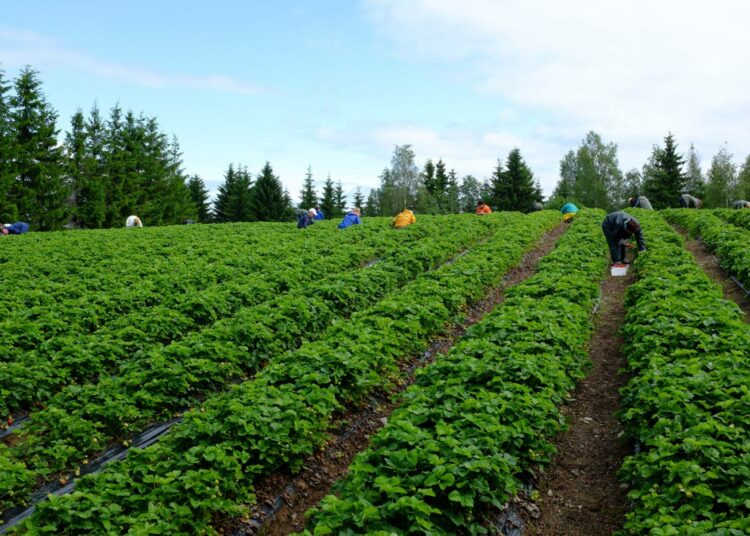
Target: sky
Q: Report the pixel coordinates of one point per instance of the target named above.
(336, 85)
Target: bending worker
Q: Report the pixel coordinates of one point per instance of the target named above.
(306, 218)
(618, 228)
(351, 218)
(688, 201)
(133, 221)
(640, 201)
(741, 204)
(483, 208)
(403, 219)
(18, 227)
(569, 211)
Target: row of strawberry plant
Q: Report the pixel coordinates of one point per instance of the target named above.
(175, 295)
(740, 218)
(480, 417)
(209, 462)
(82, 419)
(72, 359)
(728, 242)
(687, 405)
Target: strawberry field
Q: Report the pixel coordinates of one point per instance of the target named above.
(155, 380)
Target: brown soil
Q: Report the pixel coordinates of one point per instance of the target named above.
(284, 498)
(710, 264)
(580, 494)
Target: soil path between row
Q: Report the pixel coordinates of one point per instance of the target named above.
(284, 498)
(579, 494)
(710, 265)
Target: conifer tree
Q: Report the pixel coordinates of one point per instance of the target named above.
(308, 196)
(428, 176)
(371, 205)
(199, 197)
(513, 188)
(39, 192)
(359, 198)
(269, 201)
(667, 182)
(470, 192)
(8, 207)
(90, 209)
(340, 200)
(328, 199)
(233, 198)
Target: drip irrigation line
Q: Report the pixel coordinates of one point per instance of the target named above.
(17, 423)
(148, 437)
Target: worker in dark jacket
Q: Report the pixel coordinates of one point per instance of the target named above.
(19, 227)
(351, 218)
(741, 204)
(688, 201)
(306, 218)
(640, 201)
(618, 228)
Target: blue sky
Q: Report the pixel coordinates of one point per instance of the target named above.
(335, 85)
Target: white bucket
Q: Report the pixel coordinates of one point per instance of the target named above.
(619, 271)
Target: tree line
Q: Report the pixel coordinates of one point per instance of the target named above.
(591, 176)
(108, 167)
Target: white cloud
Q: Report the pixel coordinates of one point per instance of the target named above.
(632, 71)
(19, 48)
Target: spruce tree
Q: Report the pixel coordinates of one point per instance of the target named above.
(428, 176)
(232, 201)
(308, 196)
(340, 200)
(90, 210)
(371, 205)
(8, 207)
(359, 198)
(328, 200)
(199, 197)
(39, 191)
(470, 192)
(666, 184)
(269, 201)
(513, 188)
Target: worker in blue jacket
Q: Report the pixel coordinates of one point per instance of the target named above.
(318, 214)
(618, 228)
(19, 227)
(351, 218)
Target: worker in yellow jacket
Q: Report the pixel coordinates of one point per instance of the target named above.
(404, 218)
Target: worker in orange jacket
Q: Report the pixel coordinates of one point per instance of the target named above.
(483, 208)
(403, 219)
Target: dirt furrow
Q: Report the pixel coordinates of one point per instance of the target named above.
(710, 264)
(579, 495)
(284, 498)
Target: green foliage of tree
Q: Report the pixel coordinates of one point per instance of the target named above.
(721, 188)
(371, 205)
(269, 201)
(743, 181)
(695, 182)
(39, 192)
(199, 196)
(513, 187)
(232, 201)
(339, 199)
(308, 195)
(359, 198)
(590, 176)
(470, 192)
(664, 181)
(8, 207)
(328, 199)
